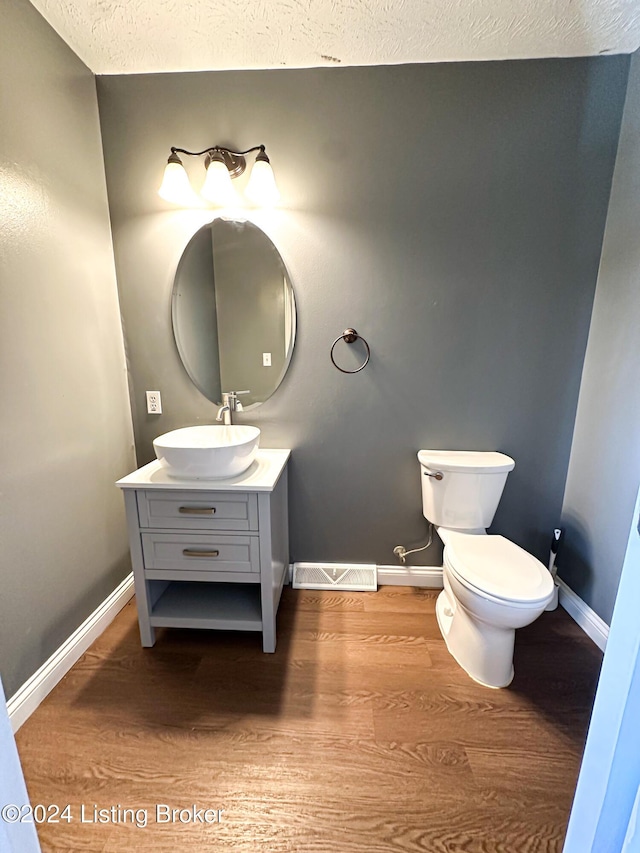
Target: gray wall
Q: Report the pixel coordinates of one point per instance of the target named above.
(604, 470)
(453, 214)
(65, 430)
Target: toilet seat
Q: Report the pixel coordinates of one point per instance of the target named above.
(498, 569)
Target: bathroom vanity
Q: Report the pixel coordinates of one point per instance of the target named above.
(209, 553)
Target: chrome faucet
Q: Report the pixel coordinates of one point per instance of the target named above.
(230, 404)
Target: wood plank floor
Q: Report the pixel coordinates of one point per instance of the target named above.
(360, 734)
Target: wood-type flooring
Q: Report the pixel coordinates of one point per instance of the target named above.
(359, 735)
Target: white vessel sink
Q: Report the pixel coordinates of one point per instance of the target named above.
(208, 452)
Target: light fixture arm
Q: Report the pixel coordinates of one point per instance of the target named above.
(218, 148)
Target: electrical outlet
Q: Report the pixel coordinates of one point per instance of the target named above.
(266, 359)
(154, 403)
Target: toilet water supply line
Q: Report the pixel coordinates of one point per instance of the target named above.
(401, 552)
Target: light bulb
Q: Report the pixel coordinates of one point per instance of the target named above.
(217, 187)
(175, 186)
(262, 188)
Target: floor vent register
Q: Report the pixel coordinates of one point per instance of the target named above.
(351, 576)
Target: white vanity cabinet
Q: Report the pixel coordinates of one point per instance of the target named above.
(209, 553)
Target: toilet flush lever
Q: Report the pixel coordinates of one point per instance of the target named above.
(437, 475)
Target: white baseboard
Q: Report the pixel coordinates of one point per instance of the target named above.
(423, 576)
(583, 615)
(30, 695)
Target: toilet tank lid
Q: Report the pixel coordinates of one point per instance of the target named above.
(466, 461)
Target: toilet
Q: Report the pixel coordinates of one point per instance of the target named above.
(491, 585)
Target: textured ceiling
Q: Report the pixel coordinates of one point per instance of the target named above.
(138, 36)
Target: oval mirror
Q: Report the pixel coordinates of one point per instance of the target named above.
(233, 312)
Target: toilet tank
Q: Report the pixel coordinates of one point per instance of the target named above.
(467, 494)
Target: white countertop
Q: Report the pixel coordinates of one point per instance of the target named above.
(261, 476)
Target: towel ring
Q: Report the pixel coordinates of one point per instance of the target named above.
(349, 336)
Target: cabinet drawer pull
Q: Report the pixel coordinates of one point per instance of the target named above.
(197, 510)
(191, 552)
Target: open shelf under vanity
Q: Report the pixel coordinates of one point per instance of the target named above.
(196, 604)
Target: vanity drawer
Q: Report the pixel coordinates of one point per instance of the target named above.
(201, 553)
(198, 510)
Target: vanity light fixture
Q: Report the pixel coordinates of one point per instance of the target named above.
(221, 164)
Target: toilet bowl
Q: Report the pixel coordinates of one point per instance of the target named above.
(491, 588)
(491, 585)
